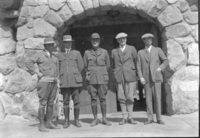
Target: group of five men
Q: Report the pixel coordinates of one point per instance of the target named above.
(63, 71)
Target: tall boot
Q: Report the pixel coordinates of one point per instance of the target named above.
(76, 117)
(66, 113)
(42, 126)
(96, 120)
(103, 110)
(50, 118)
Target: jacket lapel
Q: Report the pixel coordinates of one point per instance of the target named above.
(99, 51)
(146, 54)
(126, 49)
(152, 52)
(120, 54)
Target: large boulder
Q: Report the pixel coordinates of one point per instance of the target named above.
(7, 64)
(43, 2)
(66, 15)
(191, 17)
(177, 30)
(185, 41)
(24, 32)
(2, 81)
(56, 4)
(193, 54)
(34, 43)
(54, 19)
(185, 87)
(195, 33)
(30, 2)
(7, 45)
(171, 1)
(40, 11)
(169, 16)
(76, 8)
(183, 5)
(5, 32)
(43, 29)
(175, 55)
(20, 80)
(131, 6)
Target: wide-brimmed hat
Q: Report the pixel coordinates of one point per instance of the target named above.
(67, 38)
(49, 41)
(147, 35)
(95, 36)
(121, 35)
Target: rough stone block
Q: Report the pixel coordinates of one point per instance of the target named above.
(76, 8)
(185, 86)
(56, 4)
(43, 29)
(21, 21)
(177, 30)
(88, 7)
(40, 11)
(42, 2)
(169, 16)
(54, 19)
(157, 7)
(7, 64)
(24, 32)
(185, 41)
(30, 22)
(172, 1)
(191, 17)
(7, 45)
(195, 33)
(175, 55)
(193, 54)
(183, 5)
(31, 2)
(5, 32)
(34, 43)
(20, 48)
(131, 6)
(2, 82)
(24, 11)
(144, 5)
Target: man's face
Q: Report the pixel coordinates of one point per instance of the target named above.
(95, 42)
(67, 44)
(147, 41)
(122, 41)
(49, 47)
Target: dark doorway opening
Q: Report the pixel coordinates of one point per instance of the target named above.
(108, 33)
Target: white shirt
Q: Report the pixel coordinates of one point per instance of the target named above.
(123, 48)
(149, 48)
(67, 50)
(48, 53)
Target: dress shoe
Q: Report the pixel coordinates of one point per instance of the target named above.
(161, 122)
(106, 122)
(50, 125)
(76, 117)
(94, 122)
(122, 122)
(66, 124)
(131, 121)
(148, 122)
(42, 128)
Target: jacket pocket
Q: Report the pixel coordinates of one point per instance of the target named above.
(105, 75)
(77, 76)
(133, 67)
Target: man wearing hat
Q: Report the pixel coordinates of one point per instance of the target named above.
(97, 63)
(70, 68)
(151, 61)
(47, 81)
(124, 64)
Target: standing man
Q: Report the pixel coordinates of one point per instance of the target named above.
(70, 68)
(97, 63)
(47, 82)
(149, 71)
(124, 64)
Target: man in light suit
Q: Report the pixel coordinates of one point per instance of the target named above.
(97, 63)
(124, 64)
(151, 61)
(70, 68)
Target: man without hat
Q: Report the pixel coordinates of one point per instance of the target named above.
(151, 61)
(47, 82)
(124, 64)
(70, 68)
(97, 63)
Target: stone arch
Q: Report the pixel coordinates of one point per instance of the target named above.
(176, 19)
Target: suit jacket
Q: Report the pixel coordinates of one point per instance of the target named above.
(70, 68)
(124, 63)
(97, 66)
(152, 62)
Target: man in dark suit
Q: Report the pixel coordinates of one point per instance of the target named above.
(151, 61)
(124, 64)
(70, 68)
(47, 82)
(97, 63)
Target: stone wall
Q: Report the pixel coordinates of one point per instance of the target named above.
(37, 19)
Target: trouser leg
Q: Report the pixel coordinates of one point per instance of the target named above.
(149, 104)
(157, 100)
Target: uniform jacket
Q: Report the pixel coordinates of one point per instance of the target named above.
(124, 63)
(48, 66)
(151, 61)
(97, 66)
(70, 68)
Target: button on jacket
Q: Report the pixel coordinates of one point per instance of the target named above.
(48, 66)
(97, 65)
(124, 63)
(70, 68)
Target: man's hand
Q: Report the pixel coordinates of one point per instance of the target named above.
(142, 80)
(158, 69)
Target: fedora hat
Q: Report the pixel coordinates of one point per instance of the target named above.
(67, 38)
(147, 35)
(121, 35)
(95, 36)
(49, 41)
